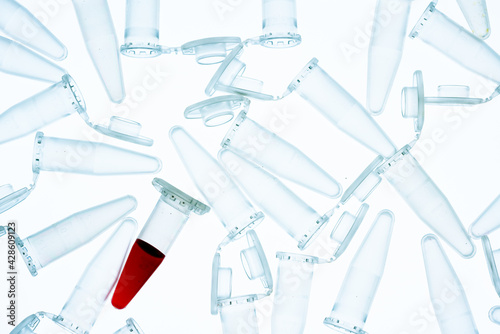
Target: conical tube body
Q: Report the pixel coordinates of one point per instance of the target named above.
(445, 35)
(428, 202)
(157, 236)
(386, 50)
(341, 109)
(453, 313)
(476, 14)
(86, 157)
(142, 28)
(239, 316)
(277, 201)
(363, 277)
(19, 24)
(55, 102)
(488, 221)
(222, 194)
(85, 303)
(18, 60)
(249, 139)
(100, 38)
(63, 237)
(291, 298)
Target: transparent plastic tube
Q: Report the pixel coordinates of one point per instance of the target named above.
(386, 50)
(455, 316)
(235, 212)
(494, 315)
(293, 215)
(410, 180)
(279, 24)
(86, 157)
(340, 108)
(488, 221)
(18, 23)
(100, 38)
(55, 102)
(52, 243)
(142, 29)
(132, 327)
(476, 14)
(360, 285)
(249, 139)
(238, 315)
(85, 303)
(158, 235)
(18, 60)
(293, 288)
(445, 35)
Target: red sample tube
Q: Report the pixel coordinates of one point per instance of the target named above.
(159, 233)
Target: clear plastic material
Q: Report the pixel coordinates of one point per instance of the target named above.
(494, 315)
(142, 37)
(293, 288)
(493, 261)
(209, 51)
(10, 197)
(386, 50)
(85, 303)
(100, 38)
(254, 263)
(55, 102)
(87, 300)
(249, 139)
(235, 212)
(50, 244)
(86, 157)
(445, 35)
(293, 215)
(132, 327)
(410, 180)
(345, 229)
(218, 110)
(413, 100)
(142, 29)
(230, 78)
(455, 317)
(361, 282)
(122, 129)
(476, 14)
(238, 315)
(19, 24)
(279, 24)
(488, 221)
(159, 233)
(340, 108)
(18, 60)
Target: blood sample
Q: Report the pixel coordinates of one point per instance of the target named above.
(159, 233)
(142, 262)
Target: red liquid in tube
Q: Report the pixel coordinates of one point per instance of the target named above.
(142, 262)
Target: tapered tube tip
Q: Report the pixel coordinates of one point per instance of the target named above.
(455, 316)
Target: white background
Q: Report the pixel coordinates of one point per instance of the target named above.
(464, 164)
